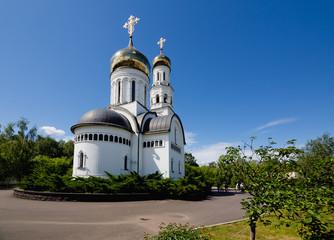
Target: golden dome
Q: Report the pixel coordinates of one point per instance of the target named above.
(161, 59)
(130, 57)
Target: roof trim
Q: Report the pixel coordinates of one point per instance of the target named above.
(99, 124)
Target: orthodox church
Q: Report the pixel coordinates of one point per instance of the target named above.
(129, 135)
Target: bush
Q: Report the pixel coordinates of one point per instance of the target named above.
(175, 231)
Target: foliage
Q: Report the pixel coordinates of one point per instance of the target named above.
(190, 159)
(301, 203)
(175, 231)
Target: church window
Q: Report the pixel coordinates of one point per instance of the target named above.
(144, 144)
(180, 167)
(120, 140)
(111, 138)
(160, 143)
(86, 136)
(148, 144)
(90, 136)
(165, 98)
(172, 165)
(157, 98)
(116, 139)
(126, 162)
(101, 137)
(163, 76)
(152, 144)
(158, 76)
(118, 92)
(145, 95)
(81, 160)
(106, 137)
(175, 135)
(133, 91)
(123, 140)
(156, 143)
(129, 143)
(95, 137)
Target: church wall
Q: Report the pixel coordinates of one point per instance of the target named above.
(155, 158)
(125, 76)
(176, 148)
(101, 155)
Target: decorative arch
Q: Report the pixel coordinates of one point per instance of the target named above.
(81, 159)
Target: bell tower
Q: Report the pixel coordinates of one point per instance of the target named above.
(161, 91)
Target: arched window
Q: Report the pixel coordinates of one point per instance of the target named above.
(157, 98)
(95, 137)
(156, 143)
(123, 140)
(101, 137)
(144, 144)
(164, 76)
(120, 140)
(175, 135)
(106, 137)
(126, 162)
(129, 143)
(165, 98)
(90, 136)
(86, 136)
(160, 143)
(152, 144)
(116, 139)
(179, 167)
(158, 76)
(148, 144)
(172, 165)
(111, 138)
(81, 160)
(118, 92)
(133, 91)
(145, 95)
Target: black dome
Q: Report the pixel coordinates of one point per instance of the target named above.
(103, 116)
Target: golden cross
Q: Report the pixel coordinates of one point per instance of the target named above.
(130, 24)
(161, 43)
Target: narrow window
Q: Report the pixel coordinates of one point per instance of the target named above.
(101, 137)
(156, 143)
(148, 144)
(144, 144)
(129, 143)
(118, 92)
(145, 96)
(81, 160)
(116, 139)
(120, 140)
(158, 76)
(95, 137)
(175, 135)
(163, 76)
(157, 98)
(133, 91)
(172, 165)
(111, 138)
(86, 136)
(123, 140)
(106, 137)
(152, 144)
(160, 143)
(179, 167)
(90, 136)
(126, 162)
(165, 98)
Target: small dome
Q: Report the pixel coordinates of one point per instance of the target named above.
(103, 116)
(161, 59)
(130, 57)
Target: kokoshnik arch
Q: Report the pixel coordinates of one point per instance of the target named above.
(128, 135)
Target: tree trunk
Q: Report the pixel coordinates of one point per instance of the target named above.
(252, 233)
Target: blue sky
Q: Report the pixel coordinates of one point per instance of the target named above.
(239, 68)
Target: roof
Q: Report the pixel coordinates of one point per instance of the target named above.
(103, 116)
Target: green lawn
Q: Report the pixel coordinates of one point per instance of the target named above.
(262, 232)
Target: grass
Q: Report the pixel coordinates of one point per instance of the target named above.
(224, 232)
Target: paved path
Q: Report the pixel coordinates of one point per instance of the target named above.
(33, 220)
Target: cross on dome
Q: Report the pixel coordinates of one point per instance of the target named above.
(130, 24)
(161, 43)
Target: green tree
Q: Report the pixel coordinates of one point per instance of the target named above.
(190, 159)
(47, 146)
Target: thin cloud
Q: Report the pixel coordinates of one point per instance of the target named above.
(52, 131)
(190, 138)
(275, 123)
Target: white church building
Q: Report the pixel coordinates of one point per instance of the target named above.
(139, 130)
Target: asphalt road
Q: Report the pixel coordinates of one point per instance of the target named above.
(33, 220)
